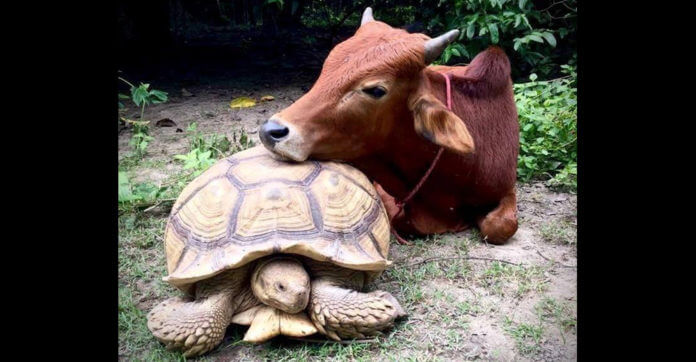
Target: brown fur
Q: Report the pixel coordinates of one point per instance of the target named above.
(394, 139)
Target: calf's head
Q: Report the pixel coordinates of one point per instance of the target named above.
(370, 84)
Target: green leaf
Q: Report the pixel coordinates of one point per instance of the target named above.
(494, 32)
(446, 55)
(159, 96)
(125, 193)
(470, 30)
(535, 37)
(140, 94)
(549, 38)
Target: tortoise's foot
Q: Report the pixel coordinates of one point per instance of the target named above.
(343, 313)
(193, 327)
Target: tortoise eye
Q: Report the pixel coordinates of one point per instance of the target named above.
(375, 92)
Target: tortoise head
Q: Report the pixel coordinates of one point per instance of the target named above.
(281, 282)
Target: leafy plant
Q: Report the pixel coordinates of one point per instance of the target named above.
(128, 193)
(529, 33)
(241, 141)
(197, 160)
(140, 138)
(141, 96)
(204, 151)
(548, 125)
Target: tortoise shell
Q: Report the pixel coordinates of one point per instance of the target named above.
(250, 205)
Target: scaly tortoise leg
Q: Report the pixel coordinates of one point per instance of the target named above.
(194, 327)
(342, 313)
(197, 326)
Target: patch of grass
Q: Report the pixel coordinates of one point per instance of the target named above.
(141, 253)
(457, 268)
(410, 278)
(499, 277)
(134, 339)
(128, 162)
(527, 336)
(280, 350)
(559, 232)
(468, 308)
(561, 314)
(384, 347)
(455, 337)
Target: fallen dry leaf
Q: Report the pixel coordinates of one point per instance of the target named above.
(267, 98)
(242, 102)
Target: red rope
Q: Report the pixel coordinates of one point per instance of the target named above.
(401, 204)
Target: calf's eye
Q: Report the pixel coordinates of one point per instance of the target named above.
(376, 92)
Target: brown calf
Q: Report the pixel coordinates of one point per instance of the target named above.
(378, 106)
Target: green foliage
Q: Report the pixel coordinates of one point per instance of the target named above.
(204, 151)
(141, 96)
(548, 124)
(140, 138)
(217, 144)
(529, 33)
(527, 336)
(537, 36)
(197, 160)
(129, 193)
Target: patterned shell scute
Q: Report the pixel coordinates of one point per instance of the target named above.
(251, 205)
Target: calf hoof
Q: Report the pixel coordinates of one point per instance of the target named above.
(497, 230)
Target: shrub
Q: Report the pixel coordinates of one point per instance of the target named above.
(548, 123)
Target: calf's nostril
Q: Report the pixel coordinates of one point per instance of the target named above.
(272, 132)
(278, 133)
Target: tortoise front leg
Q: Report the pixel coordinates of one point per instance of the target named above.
(194, 327)
(197, 326)
(340, 312)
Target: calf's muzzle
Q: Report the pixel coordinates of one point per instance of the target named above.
(271, 132)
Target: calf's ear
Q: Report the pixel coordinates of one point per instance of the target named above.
(434, 122)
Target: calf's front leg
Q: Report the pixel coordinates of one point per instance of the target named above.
(500, 223)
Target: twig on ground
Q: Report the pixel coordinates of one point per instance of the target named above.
(462, 257)
(156, 236)
(151, 206)
(556, 262)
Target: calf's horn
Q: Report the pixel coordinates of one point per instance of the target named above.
(435, 46)
(367, 16)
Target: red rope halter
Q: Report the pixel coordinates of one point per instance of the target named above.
(401, 204)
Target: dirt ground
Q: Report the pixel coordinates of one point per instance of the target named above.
(466, 299)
